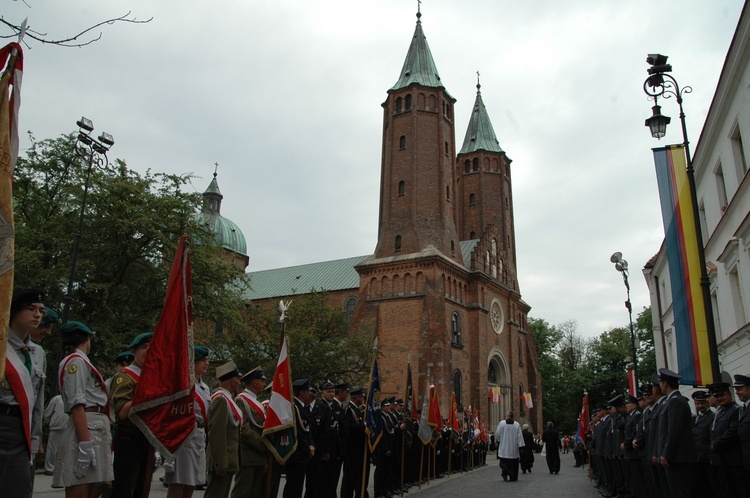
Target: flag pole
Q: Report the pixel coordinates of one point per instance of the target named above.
(283, 308)
(403, 435)
(367, 406)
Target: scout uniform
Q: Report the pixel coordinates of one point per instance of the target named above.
(133, 453)
(82, 384)
(224, 422)
(250, 479)
(21, 405)
(189, 464)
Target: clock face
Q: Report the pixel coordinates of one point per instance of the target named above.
(496, 316)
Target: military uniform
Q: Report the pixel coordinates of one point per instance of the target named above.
(702, 440)
(743, 420)
(725, 452)
(224, 423)
(298, 461)
(250, 479)
(356, 442)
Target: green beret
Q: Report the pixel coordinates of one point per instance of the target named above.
(201, 352)
(50, 316)
(125, 356)
(72, 327)
(140, 340)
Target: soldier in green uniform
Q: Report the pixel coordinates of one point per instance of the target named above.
(249, 481)
(133, 454)
(224, 422)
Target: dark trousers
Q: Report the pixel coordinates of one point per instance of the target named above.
(382, 479)
(15, 478)
(313, 488)
(553, 461)
(679, 477)
(636, 479)
(510, 468)
(133, 464)
(217, 486)
(328, 479)
(295, 480)
(351, 485)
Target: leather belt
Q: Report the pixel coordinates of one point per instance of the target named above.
(10, 410)
(95, 409)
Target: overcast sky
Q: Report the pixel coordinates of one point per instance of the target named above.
(285, 96)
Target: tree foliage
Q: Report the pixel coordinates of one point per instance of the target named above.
(132, 225)
(321, 346)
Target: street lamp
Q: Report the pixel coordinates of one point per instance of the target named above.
(622, 266)
(662, 84)
(95, 149)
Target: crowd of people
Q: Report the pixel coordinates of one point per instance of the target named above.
(652, 446)
(93, 447)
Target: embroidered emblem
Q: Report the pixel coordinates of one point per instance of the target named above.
(4, 385)
(118, 381)
(72, 369)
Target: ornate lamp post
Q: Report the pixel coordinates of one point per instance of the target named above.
(662, 84)
(622, 266)
(96, 152)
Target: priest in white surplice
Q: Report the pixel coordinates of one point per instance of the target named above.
(509, 439)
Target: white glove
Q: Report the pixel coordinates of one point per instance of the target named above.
(169, 465)
(33, 459)
(86, 458)
(157, 459)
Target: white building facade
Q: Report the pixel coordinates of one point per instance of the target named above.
(723, 191)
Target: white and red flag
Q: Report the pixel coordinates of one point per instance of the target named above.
(163, 400)
(279, 428)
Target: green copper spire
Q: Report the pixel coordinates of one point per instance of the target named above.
(419, 67)
(480, 135)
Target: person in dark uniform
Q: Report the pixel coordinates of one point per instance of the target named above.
(676, 446)
(527, 452)
(250, 479)
(618, 437)
(133, 454)
(551, 439)
(319, 473)
(742, 389)
(634, 482)
(702, 422)
(640, 443)
(382, 458)
(356, 441)
(661, 485)
(297, 462)
(338, 405)
(725, 452)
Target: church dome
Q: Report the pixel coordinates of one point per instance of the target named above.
(226, 233)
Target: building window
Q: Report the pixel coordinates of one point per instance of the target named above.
(520, 352)
(721, 187)
(456, 329)
(408, 102)
(448, 192)
(453, 248)
(467, 166)
(398, 104)
(401, 188)
(398, 243)
(472, 235)
(349, 306)
(738, 149)
(475, 164)
(402, 142)
(446, 148)
(493, 258)
(457, 386)
(472, 200)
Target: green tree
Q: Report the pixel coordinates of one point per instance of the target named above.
(321, 346)
(608, 363)
(131, 228)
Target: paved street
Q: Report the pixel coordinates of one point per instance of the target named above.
(485, 481)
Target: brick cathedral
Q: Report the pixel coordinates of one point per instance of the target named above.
(441, 289)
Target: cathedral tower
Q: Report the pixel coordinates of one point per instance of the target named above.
(418, 188)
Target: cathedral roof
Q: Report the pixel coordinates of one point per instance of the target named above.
(419, 67)
(226, 233)
(480, 135)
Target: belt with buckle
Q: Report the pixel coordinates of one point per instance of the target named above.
(95, 409)
(10, 410)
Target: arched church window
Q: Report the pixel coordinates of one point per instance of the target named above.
(467, 166)
(475, 164)
(493, 258)
(398, 104)
(472, 235)
(402, 142)
(448, 192)
(446, 148)
(401, 188)
(349, 306)
(457, 386)
(398, 243)
(408, 102)
(453, 248)
(520, 352)
(472, 200)
(491, 374)
(455, 329)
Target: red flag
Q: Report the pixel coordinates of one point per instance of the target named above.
(483, 425)
(453, 422)
(631, 382)
(583, 420)
(434, 418)
(280, 429)
(163, 400)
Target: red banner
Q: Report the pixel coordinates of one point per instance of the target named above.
(163, 400)
(434, 418)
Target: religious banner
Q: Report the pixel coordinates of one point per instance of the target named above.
(163, 399)
(374, 415)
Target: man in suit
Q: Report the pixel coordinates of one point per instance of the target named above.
(742, 389)
(635, 479)
(356, 439)
(702, 422)
(296, 465)
(725, 452)
(224, 423)
(658, 474)
(676, 446)
(551, 439)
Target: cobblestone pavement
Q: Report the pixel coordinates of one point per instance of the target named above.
(484, 481)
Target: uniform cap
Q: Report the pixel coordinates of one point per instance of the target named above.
(255, 373)
(667, 375)
(200, 352)
(718, 388)
(50, 316)
(125, 356)
(357, 391)
(140, 340)
(301, 385)
(227, 371)
(700, 395)
(72, 327)
(741, 381)
(617, 401)
(326, 385)
(341, 386)
(25, 297)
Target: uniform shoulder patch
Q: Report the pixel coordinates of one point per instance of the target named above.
(72, 369)
(119, 380)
